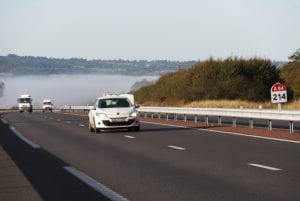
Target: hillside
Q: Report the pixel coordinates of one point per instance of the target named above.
(24, 65)
(229, 79)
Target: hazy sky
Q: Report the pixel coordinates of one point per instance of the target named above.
(150, 29)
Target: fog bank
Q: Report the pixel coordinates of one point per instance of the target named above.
(65, 89)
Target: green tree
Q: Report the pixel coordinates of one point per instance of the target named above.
(2, 86)
(295, 56)
(232, 78)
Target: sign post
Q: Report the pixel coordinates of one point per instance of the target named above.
(278, 94)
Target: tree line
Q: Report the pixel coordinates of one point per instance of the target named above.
(28, 65)
(217, 79)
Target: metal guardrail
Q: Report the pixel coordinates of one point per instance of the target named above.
(289, 116)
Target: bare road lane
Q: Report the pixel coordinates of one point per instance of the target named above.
(166, 163)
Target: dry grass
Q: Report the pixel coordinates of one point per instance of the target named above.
(294, 105)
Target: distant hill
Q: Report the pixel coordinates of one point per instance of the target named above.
(24, 65)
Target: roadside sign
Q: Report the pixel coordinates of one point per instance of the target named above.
(278, 93)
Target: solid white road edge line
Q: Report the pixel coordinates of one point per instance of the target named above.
(148, 122)
(264, 167)
(29, 142)
(95, 185)
(254, 136)
(129, 136)
(176, 147)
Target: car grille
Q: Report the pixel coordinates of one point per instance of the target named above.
(123, 123)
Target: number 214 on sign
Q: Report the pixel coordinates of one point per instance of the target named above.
(279, 97)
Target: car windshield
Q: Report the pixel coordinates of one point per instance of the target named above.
(114, 103)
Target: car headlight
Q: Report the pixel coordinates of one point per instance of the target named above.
(133, 114)
(101, 115)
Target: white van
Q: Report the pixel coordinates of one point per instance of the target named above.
(47, 105)
(25, 103)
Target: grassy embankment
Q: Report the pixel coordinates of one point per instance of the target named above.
(293, 105)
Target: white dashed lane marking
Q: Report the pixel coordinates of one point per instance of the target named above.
(29, 142)
(95, 184)
(264, 167)
(177, 147)
(81, 125)
(68, 122)
(129, 136)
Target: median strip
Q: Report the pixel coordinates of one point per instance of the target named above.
(264, 167)
(100, 188)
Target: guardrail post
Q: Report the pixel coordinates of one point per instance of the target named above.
(250, 123)
(234, 122)
(206, 120)
(175, 117)
(184, 117)
(270, 125)
(291, 127)
(151, 115)
(219, 120)
(195, 118)
(145, 115)
(167, 116)
(158, 115)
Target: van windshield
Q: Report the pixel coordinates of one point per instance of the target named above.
(24, 100)
(114, 103)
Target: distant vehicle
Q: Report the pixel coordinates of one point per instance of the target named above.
(113, 111)
(25, 103)
(47, 105)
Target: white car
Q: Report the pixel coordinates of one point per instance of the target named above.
(114, 112)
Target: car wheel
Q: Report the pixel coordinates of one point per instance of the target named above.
(91, 129)
(97, 130)
(137, 128)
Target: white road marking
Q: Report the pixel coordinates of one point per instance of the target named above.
(29, 142)
(4, 121)
(95, 185)
(129, 136)
(81, 125)
(58, 119)
(68, 122)
(254, 136)
(171, 125)
(50, 118)
(176, 147)
(264, 167)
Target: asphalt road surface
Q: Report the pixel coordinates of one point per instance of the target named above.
(64, 161)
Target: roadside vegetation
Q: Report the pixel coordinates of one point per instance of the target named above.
(230, 83)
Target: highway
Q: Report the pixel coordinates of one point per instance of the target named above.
(159, 163)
